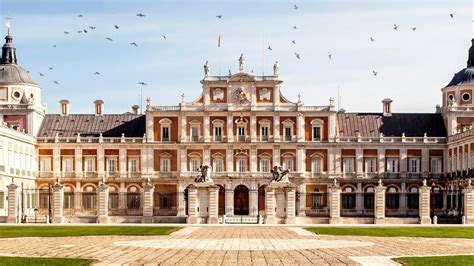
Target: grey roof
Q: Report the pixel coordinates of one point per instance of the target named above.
(372, 124)
(465, 76)
(110, 125)
(14, 74)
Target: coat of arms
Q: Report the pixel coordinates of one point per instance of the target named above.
(240, 96)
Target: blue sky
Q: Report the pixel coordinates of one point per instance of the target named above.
(412, 66)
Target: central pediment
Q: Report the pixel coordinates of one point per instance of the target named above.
(242, 77)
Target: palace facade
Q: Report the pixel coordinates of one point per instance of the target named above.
(344, 167)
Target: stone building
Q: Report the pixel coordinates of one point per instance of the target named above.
(343, 167)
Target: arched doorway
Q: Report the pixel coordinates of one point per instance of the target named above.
(241, 200)
(221, 200)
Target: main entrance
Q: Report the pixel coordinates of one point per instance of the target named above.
(241, 200)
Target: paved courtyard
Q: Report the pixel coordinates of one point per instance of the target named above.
(243, 245)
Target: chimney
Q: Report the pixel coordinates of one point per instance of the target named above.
(136, 109)
(99, 107)
(64, 107)
(387, 107)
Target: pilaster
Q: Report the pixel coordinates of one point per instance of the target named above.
(379, 206)
(469, 204)
(148, 190)
(290, 205)
(424, 201)
(13, 215)
(269, 205)
(103, 204)
(335, 204)
(302, 200)
(192, 205)
(213, 204)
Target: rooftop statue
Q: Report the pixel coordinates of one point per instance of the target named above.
(276, 69)
(207, 69)
(241, 62)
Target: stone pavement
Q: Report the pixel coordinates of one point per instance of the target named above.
(243, 245)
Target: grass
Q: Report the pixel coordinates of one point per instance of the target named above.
(59, 231)
(43, 261)
(441, 232)
(435, 260)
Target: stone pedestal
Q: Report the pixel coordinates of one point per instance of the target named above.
(181, 201)
(58, 204)
(302, 201)
(469, 204)
(253, 200)
(424, 201)
(229, 202)
(205, 208)
(103, 204)
(290, 205)
(269, 205)
(335, 204)
(379, 208)
(12, 217)
(147, 203)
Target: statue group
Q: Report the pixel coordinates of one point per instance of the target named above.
(280, 174)
(204, 174)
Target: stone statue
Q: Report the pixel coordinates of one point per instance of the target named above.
(279, 174)
(380, 183)
(207, 69)
(334, 183)
(204, 174)
(230, 73)
(276, 69)
(424, 182)
(241, 62)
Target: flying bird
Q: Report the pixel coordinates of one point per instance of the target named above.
(85, 31)
(219, 16)
(374, 72)
(269, 48)
(372, 39)
(134, 44)
(79, 31)
(294, 42)
(54, 45)
(50, 68)
(66, 32)
(164, 37)
(142, 83)
(451, 15)
(141, 15)
(55, 82)
(109, 39)
(413, 28)
(294, 27)
(96, 73)
(41, 74)
(395, 26)
(80, 16)
(330, 56)
(296, 7)
(92, 27)
(116, 27)
(297, 55)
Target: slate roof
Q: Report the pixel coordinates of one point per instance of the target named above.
(465, 76)
(110, 125)
(14, 74)
(372, 124)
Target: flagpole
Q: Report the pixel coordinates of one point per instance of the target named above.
(219, 47)
(263, 53)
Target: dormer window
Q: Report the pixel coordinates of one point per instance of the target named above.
(165, 124)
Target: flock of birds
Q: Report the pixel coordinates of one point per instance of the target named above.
(141, 15)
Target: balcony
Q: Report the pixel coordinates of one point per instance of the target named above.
(47, 174)
(319, 175)
(68, 174)
(112, 175)
(134, 175)
(194, 138)
(90, 175)
(287, 138)
(371, 175)
(218, 138)
(414, 175)
(392, 175)
(349, 175)
(165, 139)
(241, 138)
(264, 138)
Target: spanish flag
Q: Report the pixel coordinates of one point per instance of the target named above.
(219, 41)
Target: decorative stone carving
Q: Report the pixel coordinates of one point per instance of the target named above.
(240, 96)
(265, 94)
(276, 69)
(207, 69)
(279, 174)
(241, 62)
(218, 95)
(204, 175)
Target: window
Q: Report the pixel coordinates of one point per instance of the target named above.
(2, 199)
(413, 199)
(317, 133)
(67, 164)
(392, 198)
(165, 200)
(113, 200)
(414, 165)
(241, 133)
(218, 133)
(89, 200)
(264, 165)
(370, 165)
(44, 200)
(317, 199)
(466, 96)
(45, 164)
(264, 133)
(165, 133)
(287, 133)
(348, 165)
(194, 133)
(348, 198)
(288, 163)
(165, 165)
(89, 165)
(241, 165)
(218, 165)
(316, 165)
(436, 165)
(132, 165)
(68, 202)
(369, 199)
(133, 200)
(193, 165)
(392, 165)
(111, 165)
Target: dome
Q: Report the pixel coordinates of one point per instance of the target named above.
(465, 76)
(12, 73)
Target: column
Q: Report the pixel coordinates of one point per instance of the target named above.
(101, 161)
(468, 204)
(424, 201)
(122, 207)
(78, 161)
(103, 204)
(290, 205)
(300, 128)
(192, 205)
(253, 200)
(77, 198)
(425, 162)
(403, 162)
(300, 159)
(253, 159)
(402, 200)
(381, 160)
(276, 127)
(183, 128)
(276, 155)
(332, 126)
(359, 198)
(302, 204)
(379, 208)
(269, 205)
(148, 190)
(56, 162)
(360, 162)
(183, 159)
(230, 128)
(337, 162)
(253, 128)
(229, 201)
(230, 159)
(206, 127)
(335, 204)
(206, 155)
(213, 205)
(12, 217)
(123, 162)
(276, 97)
(58, 204)
(181, 201)
(331, 162)
(149, 127)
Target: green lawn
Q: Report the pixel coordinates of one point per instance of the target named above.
(56, 231)
(43, 261)
(442, 232)
(442, 260)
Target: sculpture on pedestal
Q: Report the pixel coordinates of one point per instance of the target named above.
(204, 174)
(276, 69)
(241, 62)
(279, 174)
(207, 69)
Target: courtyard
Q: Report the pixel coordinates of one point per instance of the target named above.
(244, 245)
